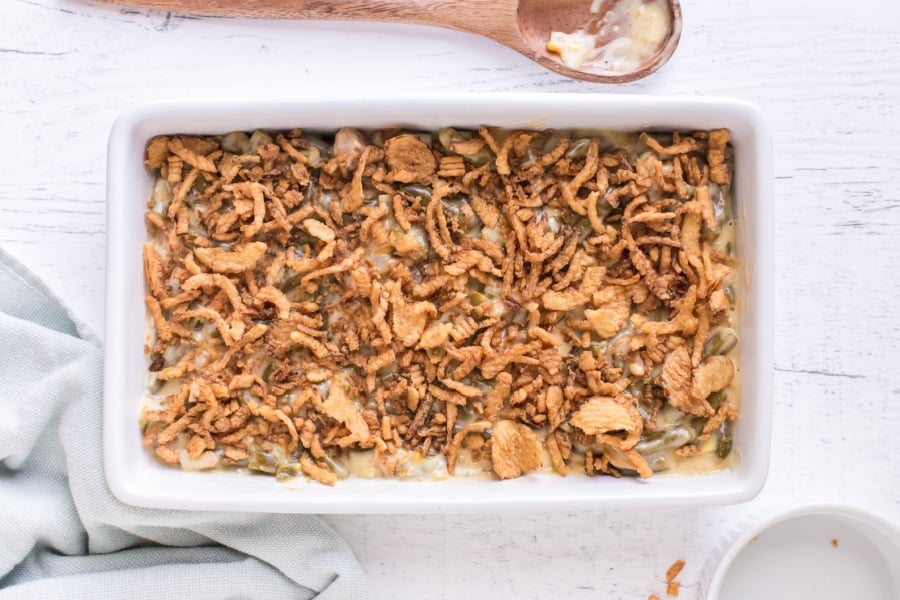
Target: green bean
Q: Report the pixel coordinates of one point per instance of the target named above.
(658, 314)
(709, 235)
(418, 190)
(603, 209)
(726, 442)
(720, 341)
(658, 463)
(448, 135)
(261, 460)
(311, 193)
(436, 355)
(636, 390)
(313, 154)
(553, 141)
(662, 139)
(267, 372)
(237, 142)
(370, 192)
(729, 293)
(337, 466)
(579, 148)
(716, 398)
(258, 139)
(482, 157)
(291, 282)
(325, 149)
(698, 423)
(675, 437)
(162, 195)
(287, 472)
(584, 227)
(200, 185)
(529, 159)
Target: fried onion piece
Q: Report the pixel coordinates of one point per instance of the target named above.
(344, 265)
(711, 376)
(196, 160)
(611, 315)
(157, 152)
(726, 411)
(454, 447)
(340, 408)
(354, 197)
(496, 398)
(718, 301)
(206, 280)
(676, 382)
(563, 301)
(556, 456)
(185, 365)
(672, 589)
(684, 321)
(409, 319)
(682, 147)
(276, 297)
(409, 158)
(515, 449)
(606, 417)
(153, 271)
(242, 258)
(163, 331)
(435, 335)
(718, 170)
(468, 391)
(495, 363)
(673, 571)
(639, 463)
(319, 230)
(315, 472)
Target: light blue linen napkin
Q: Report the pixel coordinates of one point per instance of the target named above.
(63, 534)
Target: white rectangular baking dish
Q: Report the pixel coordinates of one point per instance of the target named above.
(137, 479)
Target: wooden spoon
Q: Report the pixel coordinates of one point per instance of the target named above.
(523, 25)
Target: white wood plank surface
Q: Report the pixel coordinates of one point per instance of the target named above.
(826, 73)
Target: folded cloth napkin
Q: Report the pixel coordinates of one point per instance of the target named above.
(63, 534)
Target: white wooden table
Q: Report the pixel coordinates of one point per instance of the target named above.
(827, 74)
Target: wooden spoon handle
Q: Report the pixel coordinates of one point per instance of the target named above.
(466, 16)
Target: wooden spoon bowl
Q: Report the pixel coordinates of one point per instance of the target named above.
(523, 25)
(537, 19)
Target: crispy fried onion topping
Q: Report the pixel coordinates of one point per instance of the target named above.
(515, 450)
(483, 296)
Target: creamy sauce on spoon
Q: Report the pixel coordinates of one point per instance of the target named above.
(626, 36)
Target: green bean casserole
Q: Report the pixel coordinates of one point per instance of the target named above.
(410, 304)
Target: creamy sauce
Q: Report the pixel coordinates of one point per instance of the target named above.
(621, 40)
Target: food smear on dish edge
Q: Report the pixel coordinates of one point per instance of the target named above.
(620, 41)
(419, 305)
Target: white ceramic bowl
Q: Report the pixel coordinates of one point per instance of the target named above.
(137, 479)
(827, 552)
